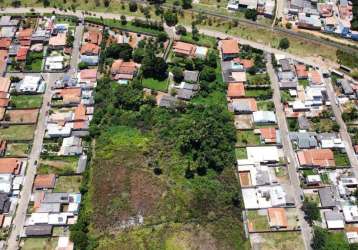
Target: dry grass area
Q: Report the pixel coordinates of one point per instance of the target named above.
(22, 115)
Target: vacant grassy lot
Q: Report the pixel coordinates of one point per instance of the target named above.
(257, 221)
(17, 132)
(259, 94)
(247, 137)
(58, 165)
(68, 183)
(39, 244)
(292, 124)
(22, 115)
(323, 125)
(266, 105)
(282, 241)
(17, 149)
(154, 84)
(258, 79)
(26, 101)
(122, 156)
(206, 41)
(341, 159)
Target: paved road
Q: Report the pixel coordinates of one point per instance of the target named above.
(19, 219)
(343, 128)
(76, 49)
(290, 153)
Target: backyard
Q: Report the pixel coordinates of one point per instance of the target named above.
(257, 220)
(17, 132)
(266, 105)
(61, 165)
(258, 79)
(39, 244)
(34, 61)
(154, 84)
(26, 101)
(280, 241)
(68, 183)
(341, 159)
(259, 94)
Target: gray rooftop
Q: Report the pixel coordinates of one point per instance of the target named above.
(185, 94)
(346, 87)
(167, 101)
(191, 76)
(56, 198)
(7, 21)
(304, 139)
(328, 197)
(38, 230)
(262, 177)
(49, 208)
(333, 215)
(303, 122)
(285, 64)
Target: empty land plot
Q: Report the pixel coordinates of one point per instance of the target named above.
(279, 241)
(58, 165)
(39, 243)
(17, 149)
(258, 220)
(17, 132)
(247, 137)
(68, 183)
(241, 153)
(26, 101)
(22, 115)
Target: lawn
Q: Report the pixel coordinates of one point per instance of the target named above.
(241, 153)
(282, 241)
(17, 132)
(68, 183)
(259, 94)
(39, 244)
(61, 165)
(257, 221)
(258, 79)
(35, 66)
(322, 125)
(17, 149)
(266, 105)
(341, 159)
(206, 41)
(154, 84)
(325, 179)
(247, 137)
(304, 82)
(26, 101)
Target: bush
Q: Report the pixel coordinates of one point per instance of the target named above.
(170, 18)
(133, 7)
(251, 14)
(311, 210)
(82, 65)
(208, 74)
(178, 74)
(180, 30)
(284, 43)
(288, 25)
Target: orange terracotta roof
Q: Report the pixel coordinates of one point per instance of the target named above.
(184, 48)
(3, 144)
(277, 217)
(230, 46)
(315, 77)
(80, 113)
(269, 134)
(25, 33)
(4, 54)
(236, 90)
(121, 67)
(70, 92)
(5, 43)
(10, 166)
(90, 48)
(5, 84)
(4, 102)
(22, 53)
(316, 157)
(88, 74)
(301, 71)
(356, 148)
(45, 181)
(79, 124)
(94, 37)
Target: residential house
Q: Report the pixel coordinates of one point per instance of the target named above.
(24, 36)
(236, 90)
(71, 146)
(8, 32)
(10, 166)
(5, 43)
(334, 219)
(121, 70)
(312, 22)
(90, 49)
(315, 77)
(40, 36)
(243, 106)
(88, 76)
(22, 53)
(44, 181)
(264, 154)
(93, 36)
(350, 213)
(6, 21)
(89, 60)
(58, 41)
(269, 135)
(287, 80)
(38, 230)
(277, 217)
(191, 76)
(30, 83)
(166, 101)
(301, 71)
(70, 96)
(328, 197)
(264, 117)
(316, 158)
(304, 140)
(184, 49)
(5, 203)
(245, 63)
(249, 4)
(285, 65)
(54, 63)
(229, 49)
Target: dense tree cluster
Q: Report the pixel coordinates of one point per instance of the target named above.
(325, 240)
(354, 21)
